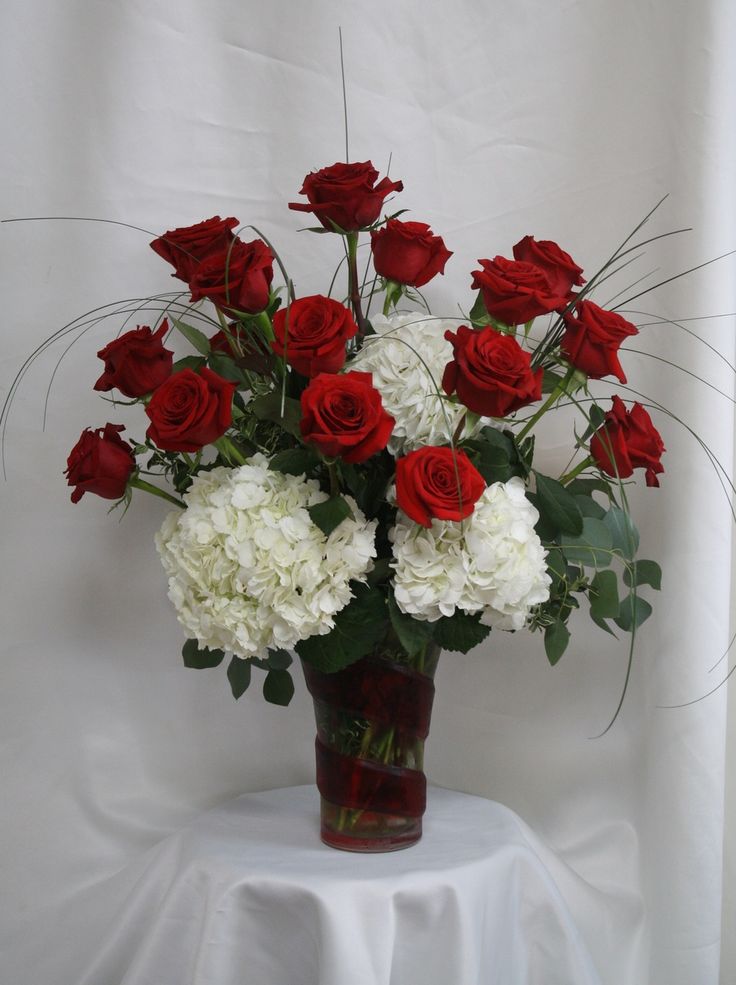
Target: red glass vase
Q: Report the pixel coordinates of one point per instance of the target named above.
(372, 720)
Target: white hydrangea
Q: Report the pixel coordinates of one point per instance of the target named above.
(492, 563)
(407, 357)
(247, 567)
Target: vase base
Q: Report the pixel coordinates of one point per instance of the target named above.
(367, 831)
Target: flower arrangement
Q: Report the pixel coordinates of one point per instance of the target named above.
(342, 477)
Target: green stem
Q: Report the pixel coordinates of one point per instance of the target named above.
(569, 476)
(229, 451)
(148, 487)
(354, 282)
(551, 400)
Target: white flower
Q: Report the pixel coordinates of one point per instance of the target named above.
(407, 357)
(492, 563)
(247, 567)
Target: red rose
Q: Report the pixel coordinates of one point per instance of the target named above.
(515, 291)
(561, 270)
(408, 253)
(491, 374)
(437, 482)
(190, 410)
(345, 195)
(238, 277)
(184, 248)
(343, 415)
(314, 337)
(628, 440)
(136, 362)
(592, 339)
(101, 463)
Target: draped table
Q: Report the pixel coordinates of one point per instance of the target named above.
(247, 893)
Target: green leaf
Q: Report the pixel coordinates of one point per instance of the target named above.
(267, 407)
(556, 638)
(557, 506)
(193, 335)
(584, 487)
(459, 633)
(557, 567)
(634, 611)
(602, 624)
(358, 628)
(478, 314)
(604, 601)
(597, 416)
(279, 659)
(238, 673)
(224, 366)
(495, 455)
(330, 514)
(645, 572)
(278, 687)
(294, 461)
(413, 634)
(593, 548)
(589, 507)
(382, 570)
(551, 380)
(624, 534)
(200, 658)
(188, 362)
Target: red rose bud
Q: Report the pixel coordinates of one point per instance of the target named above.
(190, 410)
(561, 270)
(346, 195)
(592, 339)
(312, 333)
(237, 277)
(136, 362)
(491, 374)
(515, 291)
(628, 440)
(437, 483)
(343, 416)
(100, 463)
(408, 252)
(186, 247)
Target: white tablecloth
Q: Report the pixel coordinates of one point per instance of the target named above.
(248, 895)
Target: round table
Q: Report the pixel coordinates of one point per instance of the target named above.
(246, 894)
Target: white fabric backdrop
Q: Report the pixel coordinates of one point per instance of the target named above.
(560, 119)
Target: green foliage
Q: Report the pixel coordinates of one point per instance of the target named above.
(193, 336)
(200, 658)
(294, 461)
(624, 535)
(238, 673)
(557, 508)
(330, 514)
(634, 611)
(556, 638)
(604, 602)
(593, 548)
(225, 367)
(459, 633)
(358, 628)
(188, 362)
(268, 407)
(496, 456)
(413, 634)
(278, 687)
(644, 573)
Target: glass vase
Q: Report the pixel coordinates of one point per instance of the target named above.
(372, 720)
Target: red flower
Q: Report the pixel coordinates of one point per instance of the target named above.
(561, 270)
(346, 195)
(190, 410)
(408, 252)
(237, 277)
(592, 339)
(101, 463)
(437, 482)
(490, 372)
(515, 291)
(136, 362)
(184, 248)
(628, 440)
(343, 415)
(314, 335)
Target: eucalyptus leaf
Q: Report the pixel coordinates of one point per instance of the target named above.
(634, 611)
(644, 573)
(238, 673)
(278, 687)
(593, 548)
(279, 659)
(589, 507)
(556, 638)
(604, 601)
(624, 534)
(198, 658)
(557, 506)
